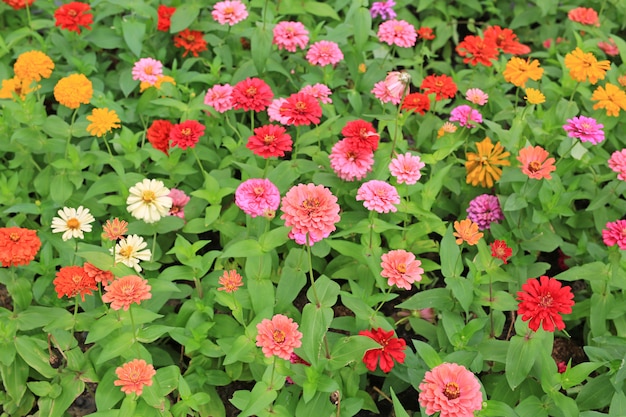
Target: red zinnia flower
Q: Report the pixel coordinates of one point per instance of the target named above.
(392, 348)
(542, 300)
(425, 33)
(361, 134)
(269, 140)
(73, 15)
(441, 85)
(191, 40)
(500, 250)
(18, 246)
(505, 40)
(19, 4)
(73, 280)
(418, 102)
(252, 94)
(584, 15)
(477, 50)
(165, 15)
(158, 134)
(302, 109)
(186, 134)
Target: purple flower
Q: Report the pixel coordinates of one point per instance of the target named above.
(383, 9)
(466, 115)
(484, 210)
(585, 128)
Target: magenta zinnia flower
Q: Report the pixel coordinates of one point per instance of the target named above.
(258, 197)
(484, 210)
(615, 234)
(350, 162)
(384, 9)
(585, 128)
(406, 168)
(289, 35)
(401, 268)
(379, 196)
(323, 53)
(269, 141)
(252, 94)
(219, 97)
(397, 32)
(466, 116)
(451, 390)
(147, 70)
(278, 336)
(617, 162)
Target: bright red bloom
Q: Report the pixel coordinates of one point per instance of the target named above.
(477, 50)
(441, 85)
(418, 102)
(425, 33)
(73, 15)
(392, 348)
(269, 140)
(500, 250)
(362, 134)
(252, 94)
(505, 40)
(158, 134)
(191, 40)
(186, 134)
(18, 246)
(165, 15)
(542, 301)
(73, 280)
(19, 4)
(302, 109)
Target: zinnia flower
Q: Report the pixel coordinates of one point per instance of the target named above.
(257, 197)
(466, 231)
(143, 86)
(611, 98)
(451, 390)
(148, 200)
(617, 162)
(447, 127)
(425, 33)
(269, 141)
(584, 66)
(130, 251)
(505, 40)
(615, 234)
(230, 281)
(33, 66)
(73, 15)
(98, 274)
(534, 96)
(133, 376)
(585, 128)
(19, 4)
(122, 292)
(15, 87)
(609, 48)
(466, 116)
(519, 70)
(440, 85)
(392, 349)
(73, 90)
(379, 196)
(164, 17)
(543, 301)
(484, 210)
(476, 96)
(584, 15)
(351, 162)
(102, 121)
(416, 102)
(115, 229)
(406, 168)
(477, 50)
(179, 201)
(301, 109)
(186, 134)
(289, 35)
(229, 12)
(158, 134)
(18, 246)
(147, 70)
(361, 133)
(482, 167)
(384, 9)
(312, 210)
(401, 268)
(275, 113)
(72, 281)
(397, 32)
(278, 336)
(500, 250)
(72, 222)
(535, 162)
(191, 41)
(319, 91)
(324, 53)
(252, 94)
(220, 97)
(392, 88)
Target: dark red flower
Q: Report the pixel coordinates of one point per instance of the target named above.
(165, 16)
(252, 94)
(191, 40)
(269, 140)
(441, 85)
(158, 134)
(186, 134)
(392, 348)
(302, 109)
(72, 281)
(477, 50)
(418, 102)
(425, 33)
(361, 134)
(542, 301)
(500, 250)
(73, 15)
(505, 40)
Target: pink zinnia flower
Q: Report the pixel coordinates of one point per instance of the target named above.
(585, 128)
(406, 168)
(609, 48)
(451, 390)
(350, 162)
(311, 209)
(323, 53)
(219, 97)
(252, 94)
(397, 32)
(384, 9)
(134, 375)
(275, 113)
(147, 70)
(484, 210)
(301, 109)
(401, 268)
(230, 281)
(319, 91)
(466, 116)
(258, 197)
(476, 96)
(379, 196)
(179, 201)
(124, 291)
(289, 35)
(278, 336)
(617, 162)
(615, 234)
(229, 12)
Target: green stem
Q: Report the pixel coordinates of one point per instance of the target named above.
(271, 385)
(308, 248)
(106, 142)
(132, 323)
(265, 13)
(234, 130)
(154, 246)
(195, 154)
(69, 135)
(252, 121)
(371, 216)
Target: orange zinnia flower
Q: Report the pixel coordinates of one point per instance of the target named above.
(122, 292)
(72, 281)
(18, 246)
(482, 167)
(33, 65)
(102, 121)
(15, 86)
(98, 274)
(134, 375)
(115, 229)
(191, 41)
(466, 231)
(611, 98)
(584, 65)
(534, 96)
(535, 162)
(230, 281)
(73, 90)
(519, 70)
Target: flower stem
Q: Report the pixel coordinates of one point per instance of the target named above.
(132, 323)
(153, 245)
(195, 154)
(106, 142)
(308, 248)
(234, 130)
(69, 135)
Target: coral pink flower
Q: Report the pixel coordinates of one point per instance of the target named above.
(278, 336)
(311, 210)
(392, 88)
(269, 141)
(535, 162)
(158, 134)
(319, 91)
(301, 109)
(401, 268)
(350, 162)
(105, 277)
(609, 48)
(230, 281)
(379, 196)
(392, 349)
(133, 376)
(476, 96)
(585, 128)
(165, 15)
(18, 246)
(617, 162)
(615, 234)
(323, 53)
(397, 32)
(257, 197)
(484, 210)
(252, 94)
(289, 35)
(500, 250)
(585, 16)
(186, 134)
(543, 301)
(115, 229)
(72, 281)
(179, 201)
(124, 291)
(147, 70)
(73, 15)
(406, 168)
(384, 9)
(466, 116)
(440, 85)
(229, 12)
(362, 134)
(451, 390)
(220, 97)
(275, 113)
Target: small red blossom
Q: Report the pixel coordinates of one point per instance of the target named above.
(425, 33)
(392, 349)
(417, 102)
(252, 94)
(190, 40)
(72, 281)
(505, 40)
(302, 109)
(542, 301)
(500, 250)
(186, 134)
(158, 134)
(73, 15)
(269, 141)
(440, 85)
(165, 14)
(476, 50)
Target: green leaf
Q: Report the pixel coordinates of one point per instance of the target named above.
(116, 347)
(242, 350)
(134, 33)
(520, 358)
(184, 16)
(34, 356)
(349, 350)
(427, 353)
(362, 26)
(243, 249)
(14, 379)
(450, 253)
(261, 46)
(497, 409)
(327, 291)
(320, 9)
(260, 397)
(462, 289)
(438, 298)
(315, 324)
(596, 393)
(577, 374)
(398, 409)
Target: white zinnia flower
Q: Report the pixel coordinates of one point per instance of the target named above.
(149, 200)
(130, 251)
(72, 222)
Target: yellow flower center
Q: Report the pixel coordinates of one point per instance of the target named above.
(278, 336)
(76, 278)
(301, 106)
(268, 139)
(452, 390)
(310, 203)
(258, 191)
(14, 237)
(185, 132)
(148, 70)
(148, 196)
(126, 251)
(73, 223)
(251, 91)
(534, 166)
(401, 268)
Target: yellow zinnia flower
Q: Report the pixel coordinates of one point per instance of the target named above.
(583, 66)
(160, 80)
(102, 121)
(518, 71)
(73, 90)
(446, 128)
(611, 98)
(33, 65)
(14, 85)
(534, 96)
(482, 167)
